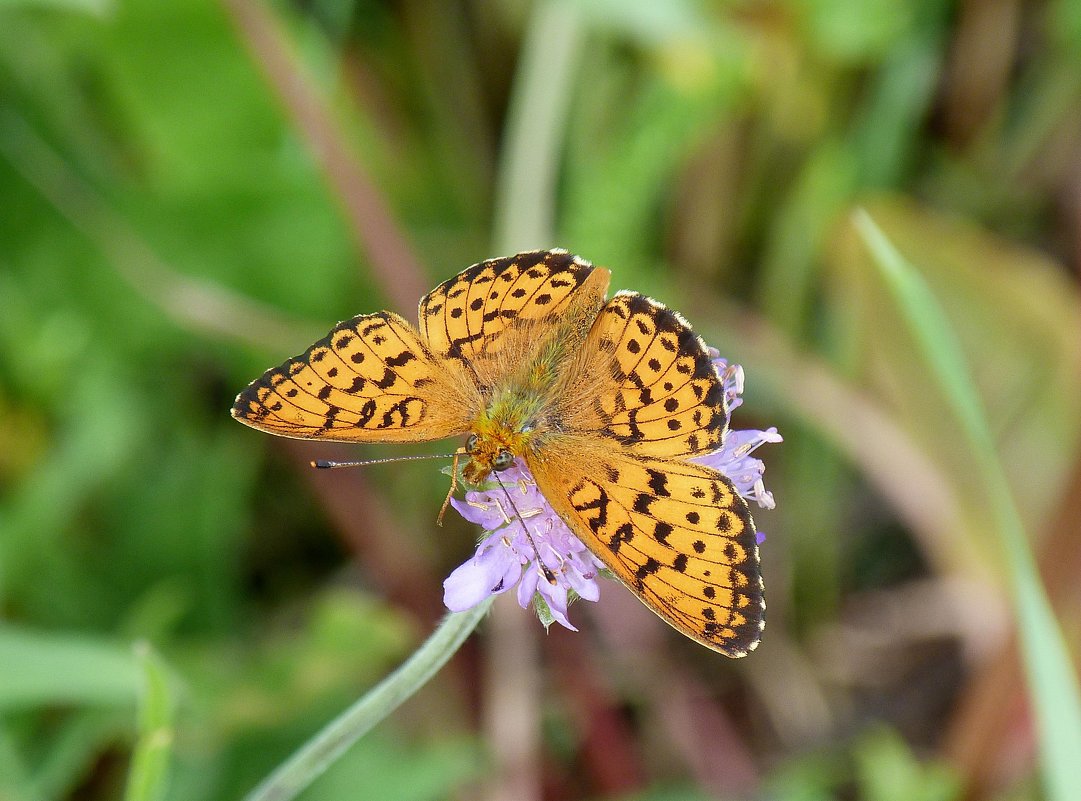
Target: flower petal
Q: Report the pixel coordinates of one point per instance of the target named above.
(480, 510)
(555, 595)
(495, 568)
(744, 470)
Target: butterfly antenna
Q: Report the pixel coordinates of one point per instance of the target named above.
(549, 576)
(326, 464)
(453, 486)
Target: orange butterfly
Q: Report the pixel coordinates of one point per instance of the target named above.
(605, 400)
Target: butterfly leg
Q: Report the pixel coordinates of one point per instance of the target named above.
(453, 486)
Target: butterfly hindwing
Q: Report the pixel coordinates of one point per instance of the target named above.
(676, 533)
(369, 380)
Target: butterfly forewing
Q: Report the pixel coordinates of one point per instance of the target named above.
(676, 533)
(369, 380)
(463, 318)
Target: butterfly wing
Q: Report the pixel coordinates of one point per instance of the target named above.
(665, 398)
(374, 379)
(369, 380)
(640, 400)
(465, 317)
(676, 533)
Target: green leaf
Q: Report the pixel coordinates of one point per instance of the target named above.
(148, 777)
(888, 771)
(38, 668)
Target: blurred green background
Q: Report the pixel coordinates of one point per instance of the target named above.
(191, 192)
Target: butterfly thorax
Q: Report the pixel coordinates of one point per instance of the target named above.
(515, 417)
(512, 421)
(534, 360)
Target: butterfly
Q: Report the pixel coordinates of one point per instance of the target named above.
(606, 400)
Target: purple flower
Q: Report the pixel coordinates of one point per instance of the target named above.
(734, 457)
(523, 543)
(526, 544)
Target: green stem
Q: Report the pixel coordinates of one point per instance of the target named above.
(307, 764)
(148, 778)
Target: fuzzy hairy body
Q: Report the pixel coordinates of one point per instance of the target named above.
(526, 385)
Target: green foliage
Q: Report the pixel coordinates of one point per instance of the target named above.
(883, 769)
(149, 773)
(39, 669)
(1052, 678)
(887, 770)
(168, 230)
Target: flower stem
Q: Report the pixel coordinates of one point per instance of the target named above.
(307, 764)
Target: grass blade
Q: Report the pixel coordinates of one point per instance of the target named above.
(1052, 679)
(38, 669)
(148, 777)
(535, 129)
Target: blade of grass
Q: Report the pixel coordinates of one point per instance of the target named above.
(535, 133)
(1052, 679)
(149, 774)
(534, 138)
(315, 756)
(536, 127)
(38, 669)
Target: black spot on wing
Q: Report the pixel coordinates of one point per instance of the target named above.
(658, 483)
(388, 380)
(401, 359)
(623, 533)
(662, 531)
(646, 569)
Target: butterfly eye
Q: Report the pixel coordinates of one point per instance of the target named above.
(503, 460)
(471, 443)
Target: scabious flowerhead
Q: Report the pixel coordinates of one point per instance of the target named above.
(528, 546)
(510, 554)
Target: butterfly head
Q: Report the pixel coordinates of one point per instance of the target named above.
(488, 451)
